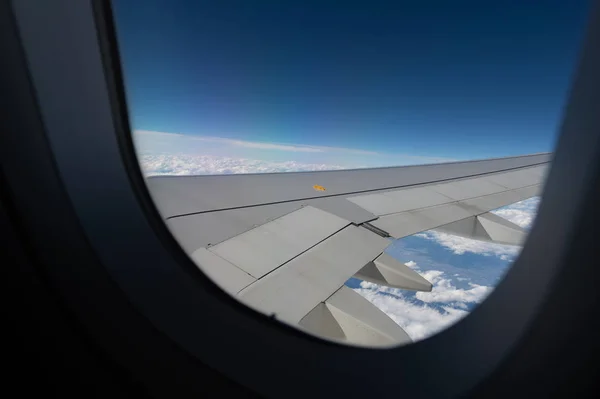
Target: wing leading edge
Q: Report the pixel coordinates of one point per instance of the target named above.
(285, 248)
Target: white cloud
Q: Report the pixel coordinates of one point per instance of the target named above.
(418, 321)
(449, 293)
(444, 291)
(161, 143)
(460, 245)
(521, 213)
(423, 320)
(153, 165)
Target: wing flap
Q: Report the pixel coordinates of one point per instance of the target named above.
(403, 224)
(529, 191)
(266, 247)
(470, 188)
(519, 178)
(210, 228)
(293, 289)
(343, 208)
(476, 189)
(230, 278)
(491, 202)
(399, 200)
(408, 223)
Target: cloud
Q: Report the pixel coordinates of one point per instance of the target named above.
(460, 245)
(521, 213)
(153, 165)
(419, 321)
(447, 292)
(423, 314)
(155, 143)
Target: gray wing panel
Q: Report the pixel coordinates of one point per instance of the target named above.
(293, 289)
(227, 276)
(204, 229)
(282, 246)
(266, 247)
(407, 223)
(183, 195)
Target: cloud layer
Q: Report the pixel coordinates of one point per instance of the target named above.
(521, 213)
(419, 321)
(454, 295)
(153, 165)
(177, 145)
(423, 314)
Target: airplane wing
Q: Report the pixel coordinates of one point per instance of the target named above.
(285, 243)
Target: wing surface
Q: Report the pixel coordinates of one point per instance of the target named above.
(285, 243)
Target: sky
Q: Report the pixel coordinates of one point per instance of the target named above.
(282, 86)
(453, 80)
(463, 272)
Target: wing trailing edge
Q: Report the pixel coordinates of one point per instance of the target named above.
(285, 250)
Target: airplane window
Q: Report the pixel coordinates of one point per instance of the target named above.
(464, 98)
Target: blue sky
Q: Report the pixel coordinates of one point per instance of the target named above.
(438, 79)
(279, 86)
